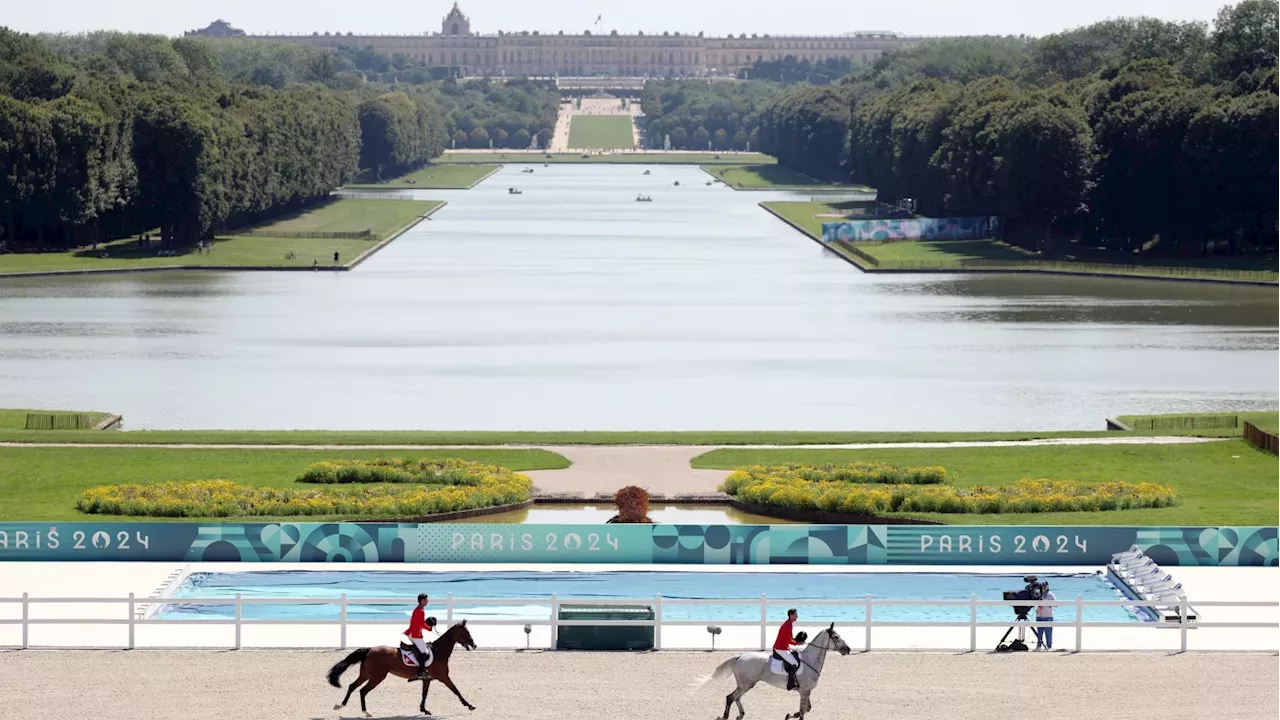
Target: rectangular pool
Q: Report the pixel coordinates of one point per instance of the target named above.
(570, 586)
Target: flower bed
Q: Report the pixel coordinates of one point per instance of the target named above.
(431, 471)
(222, 498)
(817, 488)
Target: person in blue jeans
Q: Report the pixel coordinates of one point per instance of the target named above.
(1044, 613)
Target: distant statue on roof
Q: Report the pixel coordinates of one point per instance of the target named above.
(455, 23)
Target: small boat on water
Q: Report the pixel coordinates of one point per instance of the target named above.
(643, 198)
(513, 191)
(527, 170)
(545, 165)
(708, 182)
(676, 183)
(646, 172)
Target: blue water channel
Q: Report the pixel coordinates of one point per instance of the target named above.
(570, 586)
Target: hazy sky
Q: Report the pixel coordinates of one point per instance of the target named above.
(715, 17)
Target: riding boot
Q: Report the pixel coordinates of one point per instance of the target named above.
(422, 664)
(792, 683)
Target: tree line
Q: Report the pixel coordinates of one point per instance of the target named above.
(697, 114)
(109, 134)
(1130, 134)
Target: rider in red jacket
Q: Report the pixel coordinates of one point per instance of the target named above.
(783, 647)
(417, 624)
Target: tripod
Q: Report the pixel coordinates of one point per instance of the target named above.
(1020, 644)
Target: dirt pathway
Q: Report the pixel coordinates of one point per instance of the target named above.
(58, 685)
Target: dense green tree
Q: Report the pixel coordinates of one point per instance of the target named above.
(1245, 37)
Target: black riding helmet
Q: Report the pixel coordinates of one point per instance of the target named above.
(801, 637)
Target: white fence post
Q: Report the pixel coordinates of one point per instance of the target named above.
(130, 621)
(867, 648)
(764, 621)
(1182, 619)
(342, 621)
(26, 615)
(555, 621)
(1079, 622)
(239, 617)
(448, 610)
(973, 623)
(657, 623)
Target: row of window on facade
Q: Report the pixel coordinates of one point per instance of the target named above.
(520, 57)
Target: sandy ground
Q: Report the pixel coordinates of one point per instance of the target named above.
(37, 685)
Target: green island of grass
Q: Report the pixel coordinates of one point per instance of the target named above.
(456, 176)
(43, 483)
(249, 247)
(16, 419)
(776, 177)
(601, 132)
(993, 255)
(1227, 482)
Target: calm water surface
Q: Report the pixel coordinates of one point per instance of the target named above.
(574, 307)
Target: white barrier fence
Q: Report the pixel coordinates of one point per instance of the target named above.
(1180, 616)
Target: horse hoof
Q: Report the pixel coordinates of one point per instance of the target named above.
(337, 707)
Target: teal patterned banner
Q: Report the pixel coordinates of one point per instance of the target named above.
(644, 544)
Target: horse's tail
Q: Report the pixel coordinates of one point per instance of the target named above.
(720, 673)
(336, 671)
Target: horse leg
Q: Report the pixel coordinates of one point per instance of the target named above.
(742, 712)
(423, 707)
(350, 689)
(444, 678)
(374, 681)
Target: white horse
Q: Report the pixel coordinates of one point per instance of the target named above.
(751, 668)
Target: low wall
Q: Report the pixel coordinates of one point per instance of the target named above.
(647, 544)
(1260, 438)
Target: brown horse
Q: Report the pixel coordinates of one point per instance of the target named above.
(376, 663)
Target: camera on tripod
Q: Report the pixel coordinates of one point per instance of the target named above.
(1034, 590)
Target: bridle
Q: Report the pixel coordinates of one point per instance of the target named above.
(824, 648)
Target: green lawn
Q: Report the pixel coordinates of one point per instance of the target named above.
(774, 177)
(16, 419)
(446, 177)
(485, 438)
(895, 253)
(616, 158)
(238, 249)
(1220, 483)
(810, 215)
(43, 483)
(601, 132)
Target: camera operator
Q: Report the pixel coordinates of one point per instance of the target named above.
(1044, 613)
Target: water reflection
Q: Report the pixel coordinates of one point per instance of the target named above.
(665, 514)
(574, 307)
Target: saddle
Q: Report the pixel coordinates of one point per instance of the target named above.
(409, 656)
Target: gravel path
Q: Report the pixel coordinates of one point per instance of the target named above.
(43, 685)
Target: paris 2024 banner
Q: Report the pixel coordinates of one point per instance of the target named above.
(635, 544)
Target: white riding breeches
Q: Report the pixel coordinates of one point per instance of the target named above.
(424, 647)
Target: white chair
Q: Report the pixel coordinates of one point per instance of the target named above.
(1132, 553)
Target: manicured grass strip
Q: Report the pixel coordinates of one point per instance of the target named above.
(601, 132)
(233, 250)
(809, 216)
(617, 158)
(436, 177)
(484, 437)
(43, 483)
(1218, 483)
(1203, 423)
(775, 177)
(16, 419)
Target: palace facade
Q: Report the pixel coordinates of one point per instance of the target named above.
(534, 54)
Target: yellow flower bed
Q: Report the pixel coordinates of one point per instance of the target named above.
(222, 498)
(816, 489)
(430, 471)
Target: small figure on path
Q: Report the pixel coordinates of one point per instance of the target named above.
(335, 257)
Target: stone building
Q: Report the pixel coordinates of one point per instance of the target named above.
(536, 54)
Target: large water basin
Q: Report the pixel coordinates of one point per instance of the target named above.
(570, 586)
(573, 307)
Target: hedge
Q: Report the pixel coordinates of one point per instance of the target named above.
(433, 471)
(814, 489)
(222, 498)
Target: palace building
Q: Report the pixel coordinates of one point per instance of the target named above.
(534, 54)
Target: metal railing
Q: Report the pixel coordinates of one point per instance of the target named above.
(1184, 620)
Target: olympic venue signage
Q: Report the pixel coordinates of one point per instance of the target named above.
(647, 544)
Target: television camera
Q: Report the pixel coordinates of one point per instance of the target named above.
(1034, 590)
